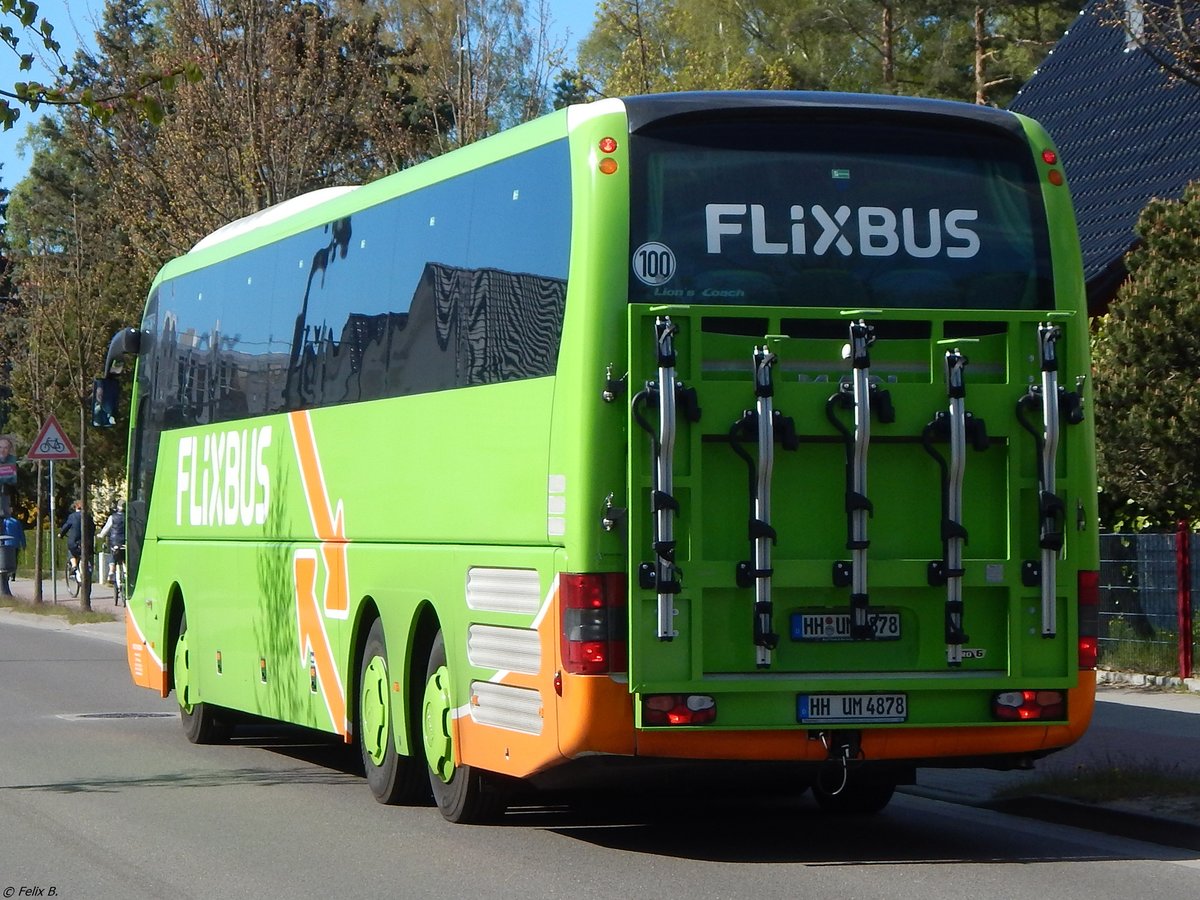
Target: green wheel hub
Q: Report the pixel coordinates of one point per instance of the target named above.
(437, 734)
(183, 692)
(376, 710)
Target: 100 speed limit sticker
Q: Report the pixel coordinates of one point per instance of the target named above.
(653, 263)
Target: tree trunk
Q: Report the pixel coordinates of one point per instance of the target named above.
(980, 57)
(86, 543)
(889, 49)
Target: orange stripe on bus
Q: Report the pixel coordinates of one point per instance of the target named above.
(314, 640)
(329, 527)
(328, 523)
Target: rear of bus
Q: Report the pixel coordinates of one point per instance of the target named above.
(861, 514)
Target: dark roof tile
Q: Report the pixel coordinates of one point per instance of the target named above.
(1127, 133)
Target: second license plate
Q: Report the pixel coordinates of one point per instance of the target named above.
(830, 625)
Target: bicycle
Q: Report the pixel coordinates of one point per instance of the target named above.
(73, 578)
(118, 576)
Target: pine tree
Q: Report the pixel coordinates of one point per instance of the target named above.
(1147, 362)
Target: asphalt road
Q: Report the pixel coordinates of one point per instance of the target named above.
(100, 796)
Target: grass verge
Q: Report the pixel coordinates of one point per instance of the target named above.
(1112, 782)
(72, 616)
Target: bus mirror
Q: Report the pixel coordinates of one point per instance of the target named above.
(127, 340)
(105, 394)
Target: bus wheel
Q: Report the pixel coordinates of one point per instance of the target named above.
(392, 778)
(855, 798)
(464, 795)
(201, 722)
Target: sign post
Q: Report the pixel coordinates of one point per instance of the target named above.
(51, 444)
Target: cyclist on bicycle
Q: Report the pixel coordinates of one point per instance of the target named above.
(114, 531)
(72, 529)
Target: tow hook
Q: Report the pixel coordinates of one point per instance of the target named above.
(841, 747)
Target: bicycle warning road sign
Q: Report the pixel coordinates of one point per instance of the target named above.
(51, 443)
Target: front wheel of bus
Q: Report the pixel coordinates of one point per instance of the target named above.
(392, 778)
(464, 794)
(201, 722)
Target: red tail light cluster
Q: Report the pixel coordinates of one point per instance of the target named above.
(592, 610)
(678, 709)
(1089, 619)
(1026, 706)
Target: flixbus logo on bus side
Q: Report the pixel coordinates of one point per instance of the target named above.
(221, 478)
(876, 231)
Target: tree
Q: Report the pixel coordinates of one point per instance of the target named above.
(1167, 30)
(630, 50)
(573, 86)
(485, 65)
(295, 97)
(1147, 365)
(1010, 40)
(5, 302)
(948, 48)
(137, 96)
(65, 312)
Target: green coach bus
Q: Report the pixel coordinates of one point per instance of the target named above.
(694, 427)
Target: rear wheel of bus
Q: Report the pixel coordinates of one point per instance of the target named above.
(464, 794)
(393, 778)
(854, 797)
(202, 722)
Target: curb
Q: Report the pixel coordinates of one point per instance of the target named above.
(1104, 819)
(1132, 679)
(22, 590)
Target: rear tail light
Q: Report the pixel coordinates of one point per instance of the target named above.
(1089, 619)
(592, 609)
(1029, 706)
(678, 709)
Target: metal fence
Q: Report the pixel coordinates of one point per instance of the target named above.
(1140, 601)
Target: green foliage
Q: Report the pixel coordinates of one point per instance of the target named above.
(1125, 649)
(482, 65)
(69, 91)
(1146, 355)
(573, 86)
(952, 49)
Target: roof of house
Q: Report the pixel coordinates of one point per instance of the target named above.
(1127, 133)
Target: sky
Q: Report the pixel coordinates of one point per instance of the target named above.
(76, 20)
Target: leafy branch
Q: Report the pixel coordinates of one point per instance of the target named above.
(142, 98)
(1168, 31)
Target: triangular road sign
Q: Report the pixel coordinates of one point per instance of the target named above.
(51, 443)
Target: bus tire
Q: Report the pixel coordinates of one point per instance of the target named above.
(392, 777)
(464, 794)
(202, 722)
(855, 798)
